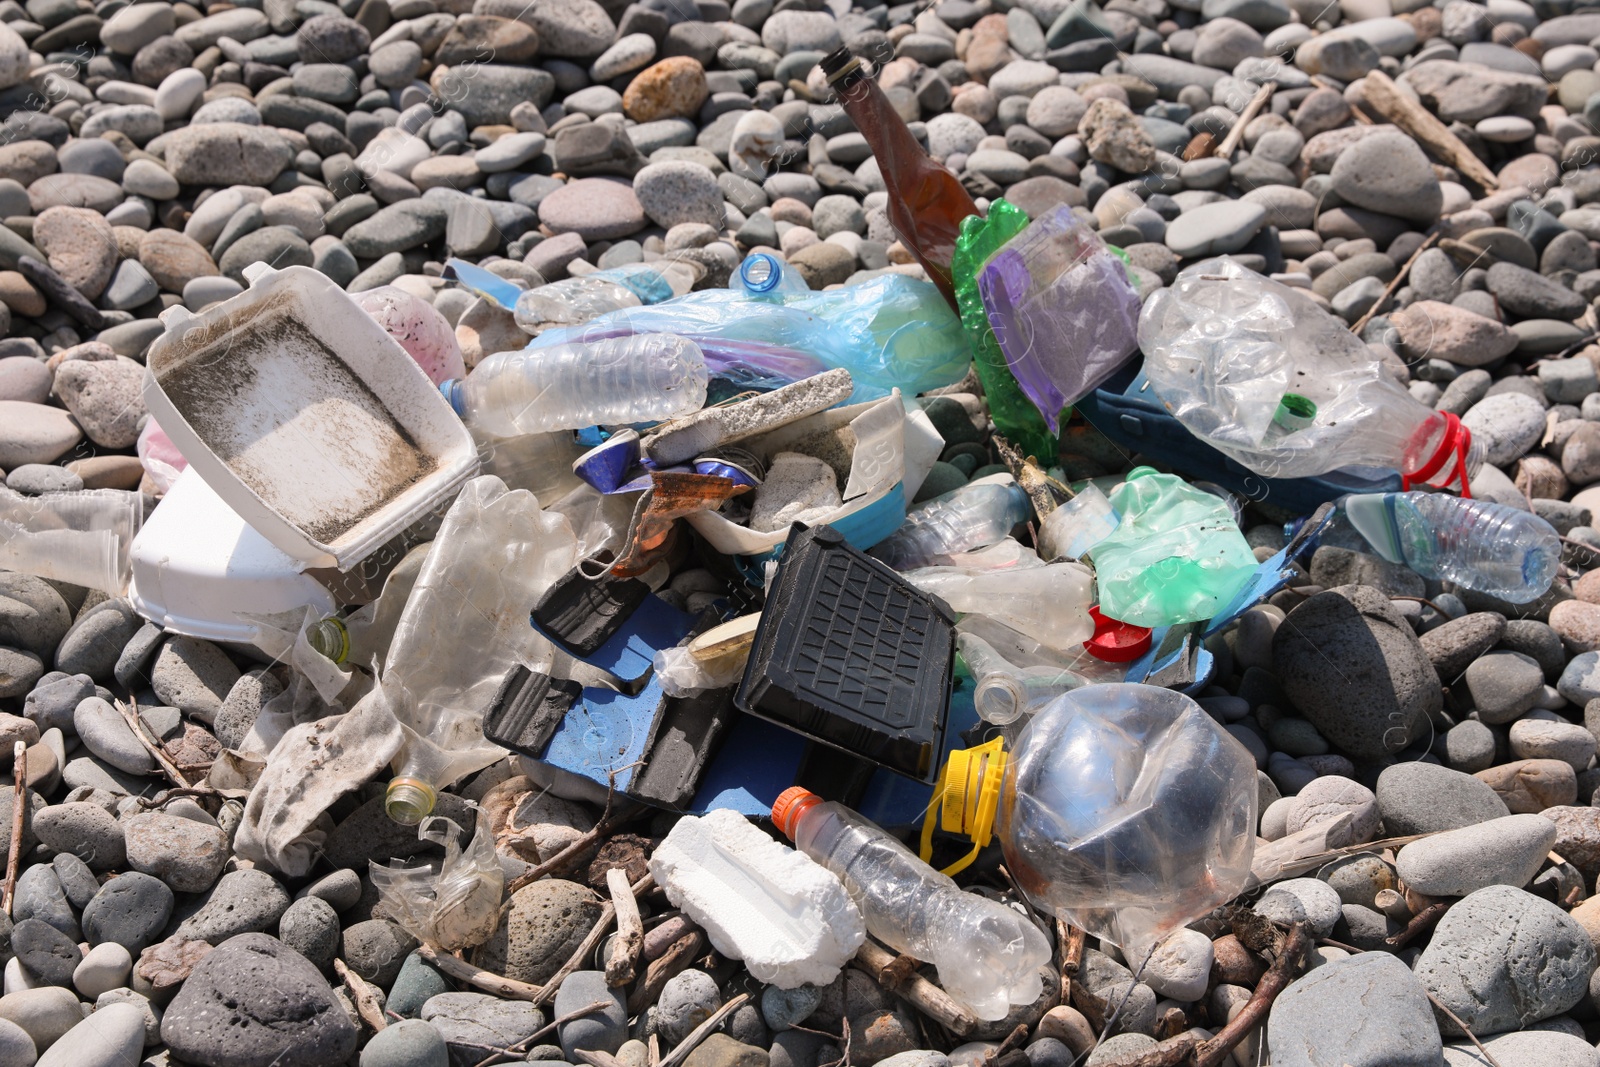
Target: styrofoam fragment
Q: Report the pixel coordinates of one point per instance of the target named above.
(787, 917)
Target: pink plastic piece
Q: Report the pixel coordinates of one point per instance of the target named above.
(424, 333)
(161, 458)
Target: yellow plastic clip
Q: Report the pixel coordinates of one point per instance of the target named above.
(966, 799)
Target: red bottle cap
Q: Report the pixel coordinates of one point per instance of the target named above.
(1116, 642)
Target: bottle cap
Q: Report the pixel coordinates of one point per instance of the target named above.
(790, 805)
(966, 799)
(1116, 642)
(836, 63)
(1456, 440)
(1295, 412)
(451, 389)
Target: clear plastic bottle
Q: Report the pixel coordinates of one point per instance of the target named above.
(571, 301)
(958, 521)
(987, 955)
(1129, 811)
(362, 639)
(644, 378)
(1486, 547)
(1261, 373)
(1005, 692)
(1048, 603)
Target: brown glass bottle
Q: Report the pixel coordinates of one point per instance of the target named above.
(926, 201)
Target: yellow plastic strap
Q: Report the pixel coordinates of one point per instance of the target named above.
(966, 800)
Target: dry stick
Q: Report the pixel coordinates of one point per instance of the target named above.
(566, 855)
(703, 1031)
(1230, 143)
(1420, 924)
(477, 977)
(1072, 949)
(1415, 119)
(526, 1043)
(597, 933)
(1175, 1052)
(623, 960)
(1389, 290)
(597, 1058)
(364, 995)
(19, 807)
(1253, 1014)
(1457, 1019)
(655, 1050)
(131, 717)
(674, 960)
(923, 994)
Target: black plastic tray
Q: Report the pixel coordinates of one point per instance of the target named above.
(851, 654)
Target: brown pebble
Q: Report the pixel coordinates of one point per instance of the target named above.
(1529, 786)
(1233, 964)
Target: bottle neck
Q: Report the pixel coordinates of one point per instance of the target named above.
(877, 120)
(409, 800)
(330, 639)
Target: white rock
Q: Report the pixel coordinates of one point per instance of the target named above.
(1180, 968)
(105, 968)
(786, 916)
(179, 92)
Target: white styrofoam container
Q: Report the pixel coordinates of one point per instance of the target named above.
(196, 564)
(306, 417)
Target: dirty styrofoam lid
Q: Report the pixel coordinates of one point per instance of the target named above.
(306, 416)
(197, 563)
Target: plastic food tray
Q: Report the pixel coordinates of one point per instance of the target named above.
(851, 654)
(306, 417)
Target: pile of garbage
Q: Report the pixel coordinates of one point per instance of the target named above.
(1015, 659)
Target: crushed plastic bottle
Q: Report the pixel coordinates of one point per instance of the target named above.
(362, 639)
(1009, 583)
(1129, 811)
(1482, 546)
(1261, 373)
(1072, 529)
(961, 520)
(987, 955)
(465, 626)
(1062, 310)
(1005, 692)
(1013, 413)
(572, 301)
(1177, 556)
(614, 381)
(889, 332)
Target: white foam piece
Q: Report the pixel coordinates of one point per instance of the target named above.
(787, 917)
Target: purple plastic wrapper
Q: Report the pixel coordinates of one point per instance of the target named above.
(1062, 309)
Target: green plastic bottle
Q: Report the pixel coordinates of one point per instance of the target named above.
(1177, 555)
(1014, 414)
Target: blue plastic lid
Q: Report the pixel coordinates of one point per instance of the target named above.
(454, 395)
(760, 272)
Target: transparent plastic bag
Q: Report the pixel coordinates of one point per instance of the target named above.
(1261, 373)
(160, 457)
(1062, 310)
(1129, 811)
(891, 331)
(464, 627)
(81, 538)
(426, 335)
(454, 907)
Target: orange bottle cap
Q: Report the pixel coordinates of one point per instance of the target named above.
(787, 808)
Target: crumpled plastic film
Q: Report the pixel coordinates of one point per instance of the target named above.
(451, 907)
(310, 768)
(1129, 811)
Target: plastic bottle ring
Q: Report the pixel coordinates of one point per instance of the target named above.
(1295, 412)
